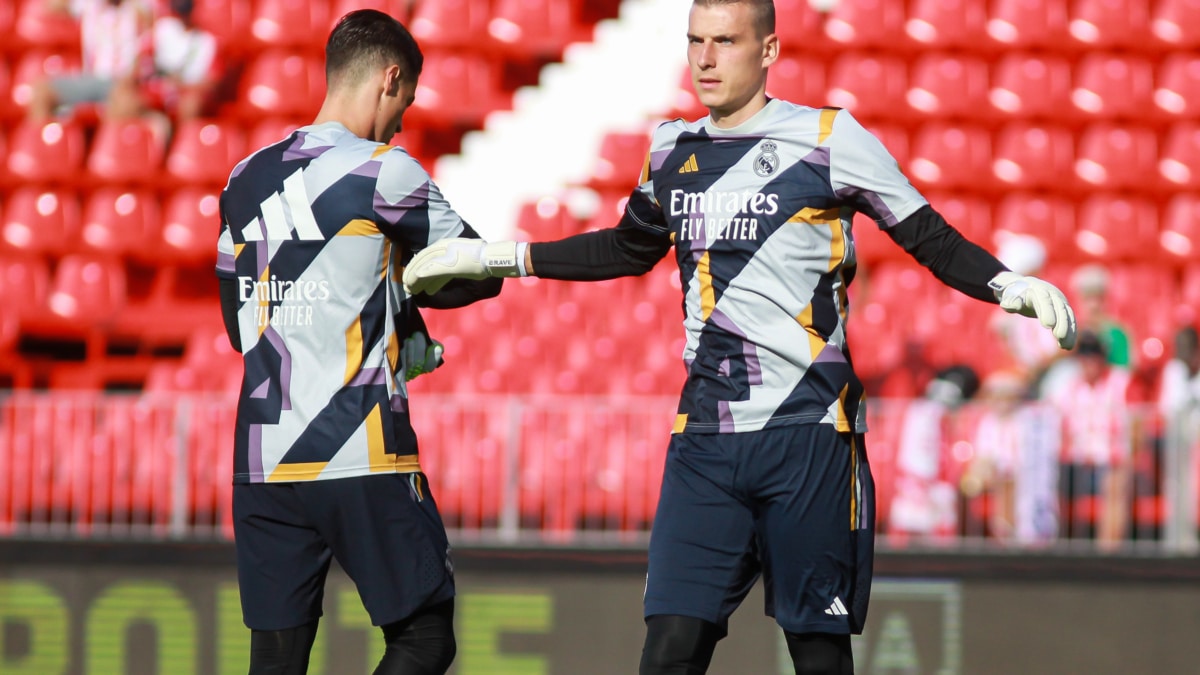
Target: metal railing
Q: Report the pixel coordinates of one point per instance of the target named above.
(576, 471)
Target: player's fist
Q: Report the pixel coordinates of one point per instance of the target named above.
(1032, 297)
(420, 354)
(448, 259)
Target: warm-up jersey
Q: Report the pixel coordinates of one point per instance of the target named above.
(314, 230)
(761, 219)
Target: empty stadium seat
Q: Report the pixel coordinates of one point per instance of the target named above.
(41, 221)
(951, 155)
(1179, 235)
(39, 27)
(534, 29)
(1177, 90)
(798, 23)
(867, 24)
(1179, 156)
(296, 24)
(1109, 24)
(452, 24)
(270, 131)
(972, 216)
(281, 83)
(1114, 227)
(9, 110)
(546, 219)
(1175, 24)
(122, 222)
(800, 80)
(24, 283)
(948, 24)
(1049, 217)
(456, 90)
(1031, 85)
(943, 86)
(619, 161)
(51, 152)
(190, 223)
(867, 84)
(1029, 24)
(127, 152)
(1109, 86)
(204, 152)
(1117, 157)
(230, 22)
(87, 291)
(1034, 156)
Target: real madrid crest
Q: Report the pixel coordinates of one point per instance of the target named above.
(767, 161)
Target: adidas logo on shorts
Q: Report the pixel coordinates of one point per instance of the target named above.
(837, 608)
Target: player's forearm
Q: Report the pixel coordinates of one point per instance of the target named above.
(624, 251)
(953, 259)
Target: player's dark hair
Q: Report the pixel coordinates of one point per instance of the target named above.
(764, 12)
(367, 39)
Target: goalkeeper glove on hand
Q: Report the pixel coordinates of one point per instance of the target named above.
(420, 354)
(449, 259)
(1032, 297)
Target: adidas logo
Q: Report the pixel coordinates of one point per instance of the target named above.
(690, 166)
(837, 608)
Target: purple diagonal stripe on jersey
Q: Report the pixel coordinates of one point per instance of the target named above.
(749, 354)
(285, 366)
(819, 156)
(261, 390)
(657, 157)
(368, 170)
(225, 262)
(392, 213)
(399, 403)
(830, 354)
(369, 376)
(255, 453)
(297, 150)
(237, 170)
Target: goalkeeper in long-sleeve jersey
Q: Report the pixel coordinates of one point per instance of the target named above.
(766, 473)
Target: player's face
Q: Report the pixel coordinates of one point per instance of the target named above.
(729, 61)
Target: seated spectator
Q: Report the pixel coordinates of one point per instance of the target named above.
(1090, 284)
(186, 68)
(1098, 444)
(115, 41)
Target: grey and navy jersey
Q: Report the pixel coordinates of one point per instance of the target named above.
(761, 219)
(314, 230)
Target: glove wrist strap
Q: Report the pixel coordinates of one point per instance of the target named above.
(503, 259)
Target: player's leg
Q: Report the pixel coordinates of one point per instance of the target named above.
(282, 563)
(422, 643)
(678, 645)
(386, 533)
(816, 519)
(703, 555)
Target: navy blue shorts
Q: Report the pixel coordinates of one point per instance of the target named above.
(384, 530)
(795, 505)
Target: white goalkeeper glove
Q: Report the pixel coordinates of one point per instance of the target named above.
(449, 259)
(1032, 297)
(420, 354)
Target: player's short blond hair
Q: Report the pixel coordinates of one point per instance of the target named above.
(764, 12)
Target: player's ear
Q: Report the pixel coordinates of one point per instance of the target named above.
(391, 80)
(770, 50)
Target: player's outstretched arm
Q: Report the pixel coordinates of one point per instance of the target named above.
(1035, 298)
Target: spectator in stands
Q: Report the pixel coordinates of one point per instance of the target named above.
(1091, 285)
(314, 231)
(926, 501)
(1098, 444)
(1179, 404)
(1031, 350)
(1015, 463)
(757, 200)
(1179, 389)
(115, 41)
(186, 68)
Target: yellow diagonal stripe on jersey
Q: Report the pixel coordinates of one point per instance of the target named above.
(393, 352)
(816, 343)
(380, 150)
(708, 298)
(645, 170)
(690, 166)
(298, 471)
(354, 349)
(842, 422)
(377, 449)
(264, 303)
(359, 227)
(827, 117)
(680, 423)
(853, 482)
(237, 249)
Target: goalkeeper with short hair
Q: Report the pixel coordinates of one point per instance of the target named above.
(766, 473)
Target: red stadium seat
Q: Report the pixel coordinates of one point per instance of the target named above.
(798, 23)
(1047, 217)
(127, 152)
(867, 84)
(1111, 86)
(534, 29)
(1175, 24)
(619, 161)
(52, 152)
(1028, 85)
(24, 283)
(972, 216)
(546, 219)
(190, 225)
(1179, 158)
(1029, 24)
(1034, 156)
(295, 24)
(1177, 94)
(865, 24)
(456, 90)
(38, 27)
(950, 156)
(9, 110)
(87, 291)
(948, 24)
(1109, 24)
(1112, 228)
(1117, 157)
(949, 86)
(1179, 235)
(122, 222)
(280, 83)
(204, 151)
(398, 9)
(799, 80)
(29, 68)
(270, 131)
(461, 24)
(41, 221)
